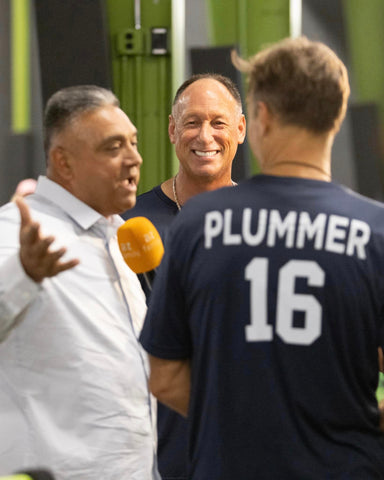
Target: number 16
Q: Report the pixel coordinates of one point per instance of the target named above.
(287, 302)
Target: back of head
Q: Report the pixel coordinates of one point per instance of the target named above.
(67, 103)
(303, 82)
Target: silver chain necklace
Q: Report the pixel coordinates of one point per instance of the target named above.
(175, 194)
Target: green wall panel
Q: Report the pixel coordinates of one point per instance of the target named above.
(143, 80)
(365, 35)
(249, 24)
(20, 66)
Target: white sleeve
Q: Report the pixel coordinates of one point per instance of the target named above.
(17, 289)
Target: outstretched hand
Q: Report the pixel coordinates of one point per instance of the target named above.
(38, 260)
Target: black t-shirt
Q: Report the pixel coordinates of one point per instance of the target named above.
(157, 207)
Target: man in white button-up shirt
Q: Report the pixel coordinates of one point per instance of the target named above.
(73, 377)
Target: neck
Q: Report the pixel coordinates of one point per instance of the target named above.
(299, 153)
(299, 168)
(181, 188)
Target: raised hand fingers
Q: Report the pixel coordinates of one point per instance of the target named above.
(25, 214)
(38, 260)
(29, 230)
(48, 263)
(62, 266)
(40, 245)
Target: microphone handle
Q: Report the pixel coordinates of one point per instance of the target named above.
(149, 277)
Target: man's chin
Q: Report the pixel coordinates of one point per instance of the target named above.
(128, 204)
(206, 169)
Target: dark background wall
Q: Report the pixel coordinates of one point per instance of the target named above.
(22, 155)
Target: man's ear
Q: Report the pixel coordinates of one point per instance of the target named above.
(242, 129)
(171, 128)
(61, 162)
(264, 117)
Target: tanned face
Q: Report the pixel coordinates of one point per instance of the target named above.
(101, 159)
(206, 127)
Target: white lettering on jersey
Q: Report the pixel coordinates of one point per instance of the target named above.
(332, 233)
(256, 238)
(213, 227)
(281, 227)
(336, 234)
(311, 230)
(229, 237)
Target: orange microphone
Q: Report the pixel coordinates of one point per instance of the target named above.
(141, 246)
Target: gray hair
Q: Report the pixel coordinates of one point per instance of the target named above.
(68, 103)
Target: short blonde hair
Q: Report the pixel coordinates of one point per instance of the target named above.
(301, 81)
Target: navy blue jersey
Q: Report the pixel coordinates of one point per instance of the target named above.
(275, 291)
(157, 207)
(171, 427)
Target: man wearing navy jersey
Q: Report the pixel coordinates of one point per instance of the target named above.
(206, 126)
(267, 313)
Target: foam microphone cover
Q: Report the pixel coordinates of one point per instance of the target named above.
(140, 244)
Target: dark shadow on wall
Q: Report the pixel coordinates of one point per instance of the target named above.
(367, 149)
(73, 44)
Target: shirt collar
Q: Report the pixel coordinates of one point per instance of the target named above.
(78, 211)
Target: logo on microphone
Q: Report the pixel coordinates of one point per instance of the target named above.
(140, 244)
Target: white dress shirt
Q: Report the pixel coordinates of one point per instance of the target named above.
(73, 377)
